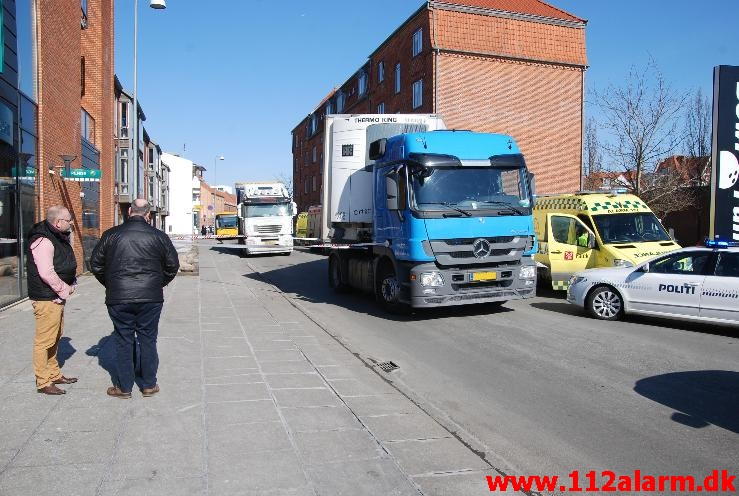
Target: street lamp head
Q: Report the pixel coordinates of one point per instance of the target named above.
(158, 4)
(221, 158)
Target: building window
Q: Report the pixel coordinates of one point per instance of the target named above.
(88, 126)
(314, 154)
(83, 7)
(418, 93)
(417, 42)
(314, 183)
(151, 189)
(150, 159)
(124, 120)
(397, 78)
(313, 125)
(123, 175)
(329, 110)
(362, 83)
(340, 102)
(82, 76)
(380, 72)
(381, 108)
(306, 185)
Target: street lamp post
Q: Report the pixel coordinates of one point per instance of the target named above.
(158, 5)
(215, 169)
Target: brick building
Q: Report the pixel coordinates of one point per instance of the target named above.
(56, 113)
(75, 113)
(499, 66)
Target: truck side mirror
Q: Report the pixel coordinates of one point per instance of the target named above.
(293, 208)
(377, 149)
(392, 193)
(532, 184)
(592, 242)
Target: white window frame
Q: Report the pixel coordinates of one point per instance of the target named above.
(362, 83)
(397, 78)
(381, 108)
(417, 42)
(417, 93)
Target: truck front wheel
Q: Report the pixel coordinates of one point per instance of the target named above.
(389, 289)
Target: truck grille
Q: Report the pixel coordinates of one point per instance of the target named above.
(504, 250)
(271, 229)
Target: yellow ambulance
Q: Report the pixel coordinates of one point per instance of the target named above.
(587, 230)
(301, 225)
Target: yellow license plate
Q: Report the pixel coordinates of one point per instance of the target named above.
(484, 276)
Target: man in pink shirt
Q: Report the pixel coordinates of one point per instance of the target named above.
(52, 270)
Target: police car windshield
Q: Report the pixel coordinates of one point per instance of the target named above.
(267, 210)
(469, 188)
(630, 228)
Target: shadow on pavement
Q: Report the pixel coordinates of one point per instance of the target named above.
(105, 353)
(65, 351)
(559, 307)
(308, 282)
(701, 397)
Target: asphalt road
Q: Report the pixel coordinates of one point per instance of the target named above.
(540, 388)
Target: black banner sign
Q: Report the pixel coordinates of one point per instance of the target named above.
(725, 154)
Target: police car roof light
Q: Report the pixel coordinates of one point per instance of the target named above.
(720, 243)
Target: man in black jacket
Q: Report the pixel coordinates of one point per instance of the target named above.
(134, 261)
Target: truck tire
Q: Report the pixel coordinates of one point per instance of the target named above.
(335, 274)
(605, 303)
(389, 290)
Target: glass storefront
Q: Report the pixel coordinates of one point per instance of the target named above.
(90, 196)
(18, 152)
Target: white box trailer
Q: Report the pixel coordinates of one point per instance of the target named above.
(347, 187)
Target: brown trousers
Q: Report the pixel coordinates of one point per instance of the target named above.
(49, 327)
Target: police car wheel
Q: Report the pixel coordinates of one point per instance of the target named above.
(605, 303)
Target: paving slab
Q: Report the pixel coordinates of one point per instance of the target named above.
(405, 426)
(323, 419)
(435, 456)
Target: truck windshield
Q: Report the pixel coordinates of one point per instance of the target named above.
(227, 221)
(630, 228)
(267, 210)
(470, 188)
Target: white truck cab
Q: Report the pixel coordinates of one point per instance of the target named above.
(266, 214)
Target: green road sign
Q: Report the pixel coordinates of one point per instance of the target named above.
(30, 171)
(82, 174)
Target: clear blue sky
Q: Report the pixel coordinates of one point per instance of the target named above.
(233, 77)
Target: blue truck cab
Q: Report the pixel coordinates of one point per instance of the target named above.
(452, 221)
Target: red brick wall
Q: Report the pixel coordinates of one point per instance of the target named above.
(540, 105)
(61, 44)
(97, 48)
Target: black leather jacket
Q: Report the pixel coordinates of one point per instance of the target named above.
(134, 261)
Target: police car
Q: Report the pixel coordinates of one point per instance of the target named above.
(699, 283)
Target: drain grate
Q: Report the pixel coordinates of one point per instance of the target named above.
(387, 366)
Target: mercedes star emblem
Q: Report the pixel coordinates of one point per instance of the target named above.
(481, 248)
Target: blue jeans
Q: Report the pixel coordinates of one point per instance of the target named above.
(136, 322)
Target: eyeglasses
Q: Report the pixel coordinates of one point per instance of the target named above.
(67, 220)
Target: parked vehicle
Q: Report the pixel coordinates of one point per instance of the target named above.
(421, 216)
(266, 219)
(587, 230)
(227, 224)
(699, 284)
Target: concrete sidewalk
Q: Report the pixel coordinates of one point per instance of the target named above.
(256, 399)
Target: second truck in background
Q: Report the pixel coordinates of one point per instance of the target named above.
(265, 218)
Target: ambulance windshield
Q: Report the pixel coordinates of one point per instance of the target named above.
(630, 228)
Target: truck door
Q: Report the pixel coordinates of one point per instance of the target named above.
(394, 205)
(571, 248)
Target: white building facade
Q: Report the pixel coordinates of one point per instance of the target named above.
(180, 219)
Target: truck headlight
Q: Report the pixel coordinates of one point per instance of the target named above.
(433, 279)
(620, 262)
(527, 272)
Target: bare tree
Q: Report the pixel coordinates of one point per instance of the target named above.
(642, 118)
(592, 157)
(287, 181)
(698, 128)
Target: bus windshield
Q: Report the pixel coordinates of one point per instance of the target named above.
(630, 228)
(227, 221)
(267, 210)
